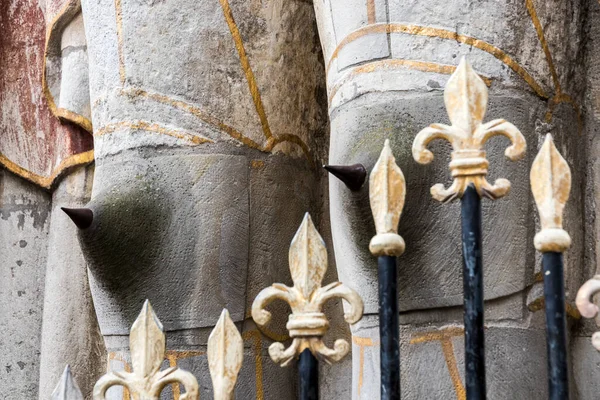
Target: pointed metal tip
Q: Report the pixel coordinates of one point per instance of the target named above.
(67, 388)
(353, 176)
(81, 217)
(224, 314)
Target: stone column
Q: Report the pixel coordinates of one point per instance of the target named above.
(70, 333)
(387, 63)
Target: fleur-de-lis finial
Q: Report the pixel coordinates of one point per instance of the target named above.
(585, 305)
(387, 190)
(225, 355)
(307, 324)
(550, 179)
(147, 345)
(67, 388)
(466, 97)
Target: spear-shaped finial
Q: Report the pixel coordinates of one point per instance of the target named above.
(147, 345)
(67, 388)
(353, 176)
(466, 97)
(550, 183)
(387, 190)
(307, 323)
(82, 217)
(225, 355)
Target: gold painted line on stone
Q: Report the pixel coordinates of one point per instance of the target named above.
(70, 9)
(539, 303)
(231, 131)
(239, 45)
(195, 111)
(152, 127)
(113, 355)
(451, 364)
(419, 30)
(540, 33)
(559, 97)
(119, 25)
(172, 356)
(444, 336)
(371, 12)
(362, 342)
(47, 182)
(440, 334)
(257, 347)
(423, 66)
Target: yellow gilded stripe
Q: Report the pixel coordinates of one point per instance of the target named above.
(239, 45)
(442, 34)
(69, 9)
(48, 181)
(396, 62)
(119, 24)
(152, 127)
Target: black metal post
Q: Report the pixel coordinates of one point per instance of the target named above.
(556, 326)
(308, 372)
(473, 295)
(389, 329)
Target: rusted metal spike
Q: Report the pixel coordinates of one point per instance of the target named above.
(82, 217)
(67, 388)
(353, 176)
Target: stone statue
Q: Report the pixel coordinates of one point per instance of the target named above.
(185, 139)
(387, 63)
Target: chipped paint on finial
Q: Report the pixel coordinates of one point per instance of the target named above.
(307, 324)
(147, 345)
(550, 179)
(466, 97)
(387, 191)
(225, 355)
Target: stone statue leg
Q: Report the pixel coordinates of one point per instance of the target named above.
(204, 114)
(387, 64)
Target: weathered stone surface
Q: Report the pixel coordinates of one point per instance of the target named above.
(34, 144)
(24, 225)
(70, 333)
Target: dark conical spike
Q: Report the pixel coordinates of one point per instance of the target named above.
(82, 217)
(353, 176)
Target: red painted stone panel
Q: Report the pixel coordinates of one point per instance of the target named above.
(33, 142)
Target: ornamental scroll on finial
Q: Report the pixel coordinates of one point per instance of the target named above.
(550, 179)
(225, 355)
(307, 324)
(466, 97)
(147, 345)
(387, 190)
(586, 308)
